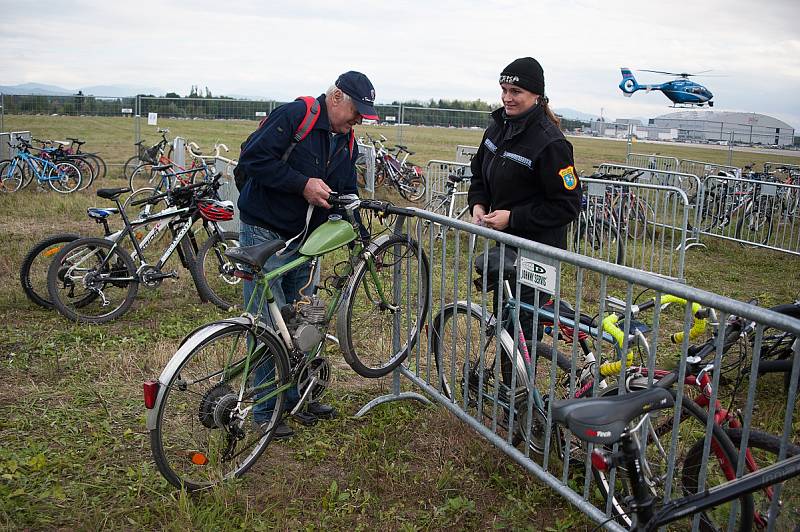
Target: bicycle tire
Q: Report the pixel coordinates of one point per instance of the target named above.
(12, 178)
(412, 187)
(143, 177)
(69, 177)
(361, 336)
(692, 426)
(755, 225)
(99, 164)
(76, 267)
(464, 342)
(764, 447)
(225, 291)
(88, 170)
(130, 165)
(199, 437)
(29, 271)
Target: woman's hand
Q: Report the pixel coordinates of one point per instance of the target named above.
(478, 212)
(497, 219)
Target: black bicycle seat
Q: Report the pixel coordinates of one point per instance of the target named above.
(255, 256)
(603, 419)
(112, 193)
(455, 178)
(493, 259)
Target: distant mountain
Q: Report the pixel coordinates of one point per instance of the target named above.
(35, 88)
(95, 90)
(575, 115)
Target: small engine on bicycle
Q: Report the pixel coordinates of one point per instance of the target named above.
(305, 320)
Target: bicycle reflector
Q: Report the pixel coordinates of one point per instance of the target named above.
(215, 210)
(150, 394)
(599, 461)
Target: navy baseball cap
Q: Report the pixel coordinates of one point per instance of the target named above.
(360, 89)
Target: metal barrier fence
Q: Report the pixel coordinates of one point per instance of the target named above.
(702, 168)
(757, 213)
(365, 167)
(436, 173)
(639, 225)
(9, 139)
(508, 399)
(652, 162)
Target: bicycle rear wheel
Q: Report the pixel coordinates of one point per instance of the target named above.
(143, 177)
(33, 271)
(64, 177)
(655, 440)
(396, 267)
(203, 432)
(90, 281)
(412, 186)
(764, 448)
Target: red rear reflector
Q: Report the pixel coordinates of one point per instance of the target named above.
(599, 461)
(243, 275)
(199, 459)
(150, 393)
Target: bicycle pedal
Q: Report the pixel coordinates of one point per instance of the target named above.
(304, 418)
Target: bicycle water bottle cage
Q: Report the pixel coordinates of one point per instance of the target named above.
(493, 259)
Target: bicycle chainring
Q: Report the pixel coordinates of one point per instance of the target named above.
(150, 276)
(315, 373)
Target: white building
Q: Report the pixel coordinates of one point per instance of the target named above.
(715, 126)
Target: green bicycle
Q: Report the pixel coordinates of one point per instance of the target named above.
(201, 409)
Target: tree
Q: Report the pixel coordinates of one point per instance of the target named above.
(172, 95)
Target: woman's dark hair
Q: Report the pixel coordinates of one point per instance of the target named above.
(544, 101)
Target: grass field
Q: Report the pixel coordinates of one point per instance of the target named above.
(75, 451)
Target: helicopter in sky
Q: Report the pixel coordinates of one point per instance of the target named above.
(682, 92)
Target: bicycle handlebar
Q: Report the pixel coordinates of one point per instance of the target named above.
(214, 183)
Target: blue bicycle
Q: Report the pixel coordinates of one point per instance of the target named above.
(62, 176)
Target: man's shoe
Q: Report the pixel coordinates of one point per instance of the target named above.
(320, 410)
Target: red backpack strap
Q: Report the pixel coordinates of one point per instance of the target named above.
(311, 117)
(352, 141)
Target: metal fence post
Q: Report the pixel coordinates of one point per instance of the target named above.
(730, 148)
(2, 112)
(400, 124)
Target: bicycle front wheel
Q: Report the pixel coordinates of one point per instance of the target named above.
(655, 440)
(91, 281)
(33, 271)
(204, 432)
(213, 271)
(384, 306)
(64, 177)
(12, 177)
(764, 449)
(143, 176)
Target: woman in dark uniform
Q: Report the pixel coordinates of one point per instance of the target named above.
(523, 177)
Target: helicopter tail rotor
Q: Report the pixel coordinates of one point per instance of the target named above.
(628, 85)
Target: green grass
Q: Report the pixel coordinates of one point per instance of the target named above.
(75, 452)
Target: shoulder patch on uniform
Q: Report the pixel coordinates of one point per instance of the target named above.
(568, 177)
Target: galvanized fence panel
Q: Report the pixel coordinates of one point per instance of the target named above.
(753, 212)
(508, 399)
(436, 173)
(635, 224)
(464, 154)
(228, 190)
(365, 167)
(652, 162)
(702, 168)
(429, 116)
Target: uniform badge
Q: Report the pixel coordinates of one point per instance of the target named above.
(568, 177)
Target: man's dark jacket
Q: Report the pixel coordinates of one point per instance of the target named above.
(273, 195)
(525, 165)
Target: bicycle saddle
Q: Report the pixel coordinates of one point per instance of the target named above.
(493, 260)
(112, 193)
(455, 178)
(603, 419)
(255, 256)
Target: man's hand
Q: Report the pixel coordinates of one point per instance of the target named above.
(497, 219)
(317, 192)
(478, 212)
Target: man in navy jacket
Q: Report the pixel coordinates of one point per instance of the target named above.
(274, 203)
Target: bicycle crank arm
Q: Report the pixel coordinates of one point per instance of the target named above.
(304, 397)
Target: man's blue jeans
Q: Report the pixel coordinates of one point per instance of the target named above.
(285, 289)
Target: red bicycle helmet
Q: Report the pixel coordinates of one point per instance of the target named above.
(215, 210)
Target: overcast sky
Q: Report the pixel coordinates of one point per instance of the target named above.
(414, 50)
